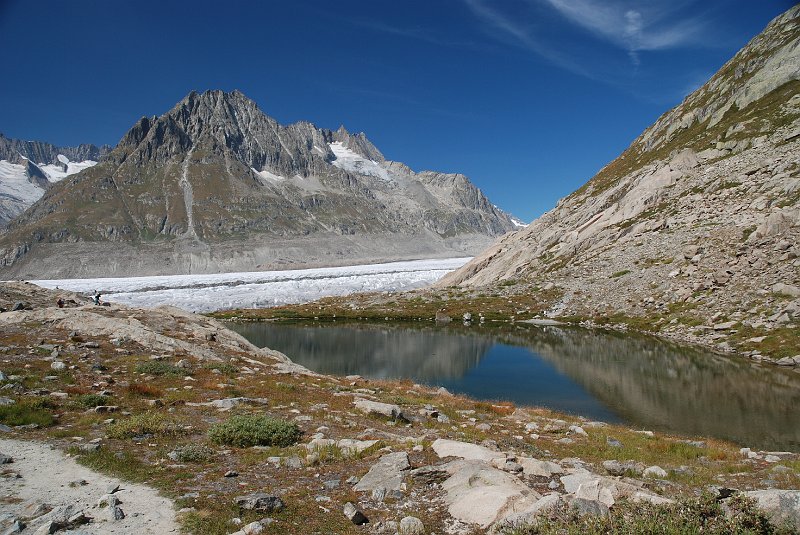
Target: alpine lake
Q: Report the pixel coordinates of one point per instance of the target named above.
(640, 381)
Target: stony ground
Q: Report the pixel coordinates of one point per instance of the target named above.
(135, 393)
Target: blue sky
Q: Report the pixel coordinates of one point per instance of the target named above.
(529, 98)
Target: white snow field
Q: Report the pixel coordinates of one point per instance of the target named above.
(350, 161)
(206, 293)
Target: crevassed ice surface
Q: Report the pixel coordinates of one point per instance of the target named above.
(219, 291)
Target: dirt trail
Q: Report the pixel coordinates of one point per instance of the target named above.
(46, 474)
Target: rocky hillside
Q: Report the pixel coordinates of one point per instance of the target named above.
(216, 185)
(242, 440)
(28, 168)
(694, 229)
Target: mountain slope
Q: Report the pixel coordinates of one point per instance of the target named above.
(28, 168)
(696, 222)
(216, 185)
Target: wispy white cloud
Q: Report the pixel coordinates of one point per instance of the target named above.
(520, 34)
(632, 26)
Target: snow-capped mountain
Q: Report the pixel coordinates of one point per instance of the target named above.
(28, 168)
(216, 185)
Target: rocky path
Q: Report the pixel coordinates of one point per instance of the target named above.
(48, 491)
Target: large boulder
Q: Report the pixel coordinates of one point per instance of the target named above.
(477, 493)
(387, 473)
(782, 506)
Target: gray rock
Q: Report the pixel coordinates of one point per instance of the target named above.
(613, 442)
(655, 472)
(292, 462)
(16, 527)
(6, 459)
(386, 473)
(429, 475)
(780, 505)
(58, 366)
(786, 289)
(411, 525)
(589, 507)
(115, 513)
(535, 467)
(260, 501)
(354, 514)
(617, 468)
(382, 409)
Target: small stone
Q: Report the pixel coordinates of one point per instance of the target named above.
(589, 507)
(112, 488)
(411, 525)
(253, 528)
(613, 442)
(58, 366)
(260, 501)
(292, 462)
(578, 430)
(655, 472)
(115, 513)
(231, 473)
(354, 514)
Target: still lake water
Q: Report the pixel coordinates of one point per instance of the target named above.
(639, 381)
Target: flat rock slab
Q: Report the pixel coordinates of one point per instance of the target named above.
(387, 473)
(46, 477)
(479, 494)
(465, 450)
(592, 487)
(535, 467)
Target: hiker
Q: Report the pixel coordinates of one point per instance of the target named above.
(97, 297)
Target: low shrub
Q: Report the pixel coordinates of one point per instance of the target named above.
(222, 367)
(690, 515)
(246, 431)
(146, 423)
(91, 401)
(156, 367)
(192, 453)
(144, 390)
(27, 412)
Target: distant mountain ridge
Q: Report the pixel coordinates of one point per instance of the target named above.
(214, 185)
(698, 220)
(28, 168)
(46, 153)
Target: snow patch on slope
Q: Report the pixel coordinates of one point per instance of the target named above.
(56, 173)
(350, 161)
(266, 175)
(15, 186)
(206, 293)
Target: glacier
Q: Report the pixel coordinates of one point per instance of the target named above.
(222, 291)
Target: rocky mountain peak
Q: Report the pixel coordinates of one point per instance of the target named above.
(215, 184)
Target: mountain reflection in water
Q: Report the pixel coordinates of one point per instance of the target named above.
(638, 380)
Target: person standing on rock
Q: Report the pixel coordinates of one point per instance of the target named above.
(97, 297)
